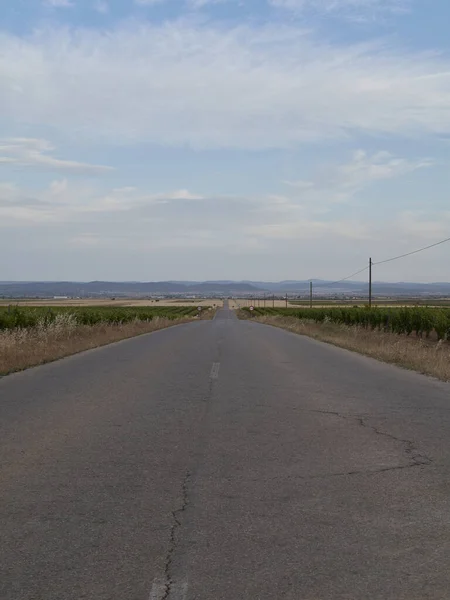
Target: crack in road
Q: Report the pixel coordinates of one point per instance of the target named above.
(365, 472)
(169, 582)
(176, 524)
(417, 458)
(411, 451)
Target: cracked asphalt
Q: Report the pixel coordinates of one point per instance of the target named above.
(224, 460)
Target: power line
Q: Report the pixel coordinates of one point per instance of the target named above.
(340, 280)
(349, 276)
(381, 262)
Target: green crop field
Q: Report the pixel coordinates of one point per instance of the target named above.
(418, 320)
(393, 302)
(13, 317)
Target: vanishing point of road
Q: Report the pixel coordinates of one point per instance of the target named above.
(224, 460)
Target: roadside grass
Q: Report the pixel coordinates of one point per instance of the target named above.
(414, 353)
(25, 347)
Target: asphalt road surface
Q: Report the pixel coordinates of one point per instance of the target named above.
(223, 460)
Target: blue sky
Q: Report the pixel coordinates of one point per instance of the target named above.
(200, 139)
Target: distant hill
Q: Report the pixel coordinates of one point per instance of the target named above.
(380, 288)
(91, 289)
(49, 289)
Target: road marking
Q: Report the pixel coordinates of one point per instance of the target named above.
(215, 371)
(178, 591)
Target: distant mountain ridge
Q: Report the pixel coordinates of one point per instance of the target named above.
(109, 288)
(48, 289)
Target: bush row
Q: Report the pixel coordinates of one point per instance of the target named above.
(418, 320)
(12, 316)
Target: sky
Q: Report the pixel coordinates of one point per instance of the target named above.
(223, 139)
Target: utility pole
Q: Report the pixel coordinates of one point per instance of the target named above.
(370, 283)
(273, 301)
(286, 300)
(310, 295)
(264, 301)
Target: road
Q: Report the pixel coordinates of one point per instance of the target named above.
(224, 460)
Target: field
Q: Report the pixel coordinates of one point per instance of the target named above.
(321, 302)
(418, 320)
(28, 316)
(121, 302)
(377, 302)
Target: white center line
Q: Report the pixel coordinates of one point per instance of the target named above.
(215, 371)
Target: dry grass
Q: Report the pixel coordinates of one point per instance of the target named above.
(424, 356)
(22, 348)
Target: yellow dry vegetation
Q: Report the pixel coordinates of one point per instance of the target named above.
(21, 348)
(425, 356)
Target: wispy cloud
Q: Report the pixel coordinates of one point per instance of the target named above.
(184, 83)
(59, 3)
(193, 4)
(148, 2)
(341, 182)
(198, 4)
(32, 152)
(101, 6)
(356, 9)
(126, 223)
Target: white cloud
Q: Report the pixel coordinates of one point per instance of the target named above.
(65, 202)
(359, 9)
(198, 4)
(194, 4)
(310, 228)
(426, 226)
(184, 83)
(101, 7)
(125, 224)
(179, 219)
(32, 152)
(339, 183)
(188, 219)
(59, 3)
(148, 2)
(364, 169)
